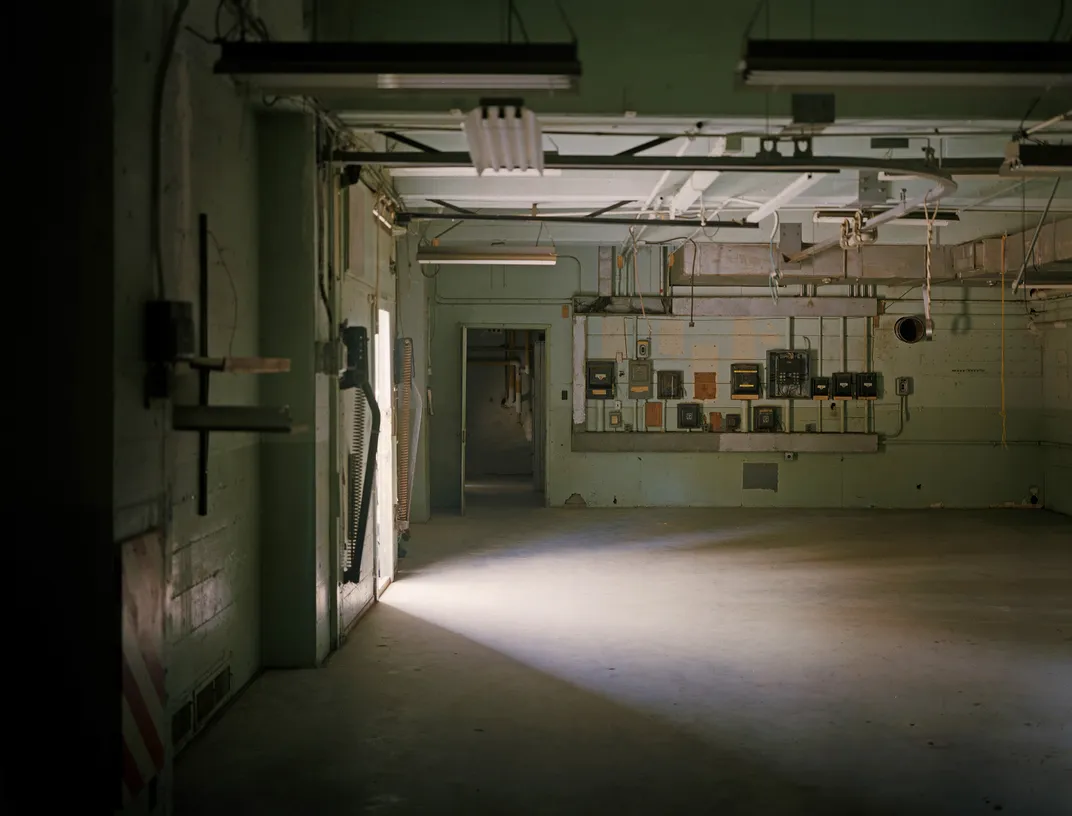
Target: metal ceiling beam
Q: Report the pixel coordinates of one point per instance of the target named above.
(403, 218)
(696, 184)
(406, 140)
(640, 148)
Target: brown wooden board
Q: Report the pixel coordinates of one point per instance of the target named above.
(653, 414)
(705, 385)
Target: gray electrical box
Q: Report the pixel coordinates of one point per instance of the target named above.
(643, 349)
(904, 386)
(640, 374)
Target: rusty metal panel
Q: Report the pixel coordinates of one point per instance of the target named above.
(605, 269)
(144, 694)
(705, 385)
(653, 415)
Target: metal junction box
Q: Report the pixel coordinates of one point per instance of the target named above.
(744, 381)
(689, 415)
(788, 374)
(867, 385)
(599, 379)
(820, 388)
(843, 386)
(765, 418)
(640, 374)
(671, 384)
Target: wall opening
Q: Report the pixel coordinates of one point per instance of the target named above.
(504, 386)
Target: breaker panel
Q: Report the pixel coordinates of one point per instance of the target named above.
(843, 386)
(867, 385)
(599, 379)
(788, 374)
(820, 388)
(744, 381)
(671, 384)
(689, 415)
(765, 418)
(640, 372)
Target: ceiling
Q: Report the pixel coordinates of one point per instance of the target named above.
(986, 204)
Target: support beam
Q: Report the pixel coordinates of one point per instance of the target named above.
(783, 307)
(984, 256)
(790, 192)
(696, 184)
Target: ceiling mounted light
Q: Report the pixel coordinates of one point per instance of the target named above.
(309, 68)
(504, 136)
(824, 65)
(941, 218)
(1023, 159)
(516, 256)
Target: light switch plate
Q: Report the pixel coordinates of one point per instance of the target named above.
(643, 349)
(904, 386)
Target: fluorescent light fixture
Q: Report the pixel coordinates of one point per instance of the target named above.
(1026, 159)
(509, 256)
(824, 65)
(504, 137)
(943, 218)
(799, 185)
(470, 172)
(304, 67)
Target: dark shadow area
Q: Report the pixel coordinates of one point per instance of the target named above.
(411, 718)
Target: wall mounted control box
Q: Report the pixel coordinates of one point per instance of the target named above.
(744, 381)
(640, 372)
(689, 415)
(788, 374)
(820, 388)
(843, 386)
(764, 418)
(671, 384)
(733, 422)
(599, 379)
(867, 385)
(643, 349)
(904, 386)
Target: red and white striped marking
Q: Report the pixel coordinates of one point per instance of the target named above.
(144, 696)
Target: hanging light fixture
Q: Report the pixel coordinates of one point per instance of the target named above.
(504, 136)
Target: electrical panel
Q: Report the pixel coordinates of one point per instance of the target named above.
(599, 380)
(640, 372)
(689, 415)
(764, 418)
(867, 385)
(671, 384)
(843, 386)
(744, 381)
(733, 422)
(643, 349)
(787, 374)
(820, 388)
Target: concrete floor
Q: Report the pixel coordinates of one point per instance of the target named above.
(579, 661)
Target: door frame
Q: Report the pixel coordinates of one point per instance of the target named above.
(546, 329)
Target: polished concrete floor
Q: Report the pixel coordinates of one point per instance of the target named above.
(580, 661)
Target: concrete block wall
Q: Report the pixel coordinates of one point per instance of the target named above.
(209, 164)
(1055, 326)
(948, 454)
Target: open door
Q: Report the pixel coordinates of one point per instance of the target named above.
(386, 478)
(465, 355)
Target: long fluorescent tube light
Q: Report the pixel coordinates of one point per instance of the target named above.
(798, 186)
(301, 67)
(516, 256)
(823, 65)
(504, 137)
(469, 172)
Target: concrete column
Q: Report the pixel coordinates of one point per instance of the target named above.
(291, 618)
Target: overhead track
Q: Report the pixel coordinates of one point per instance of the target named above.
(403, 218)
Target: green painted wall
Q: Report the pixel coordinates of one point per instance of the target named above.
(950, 447)
(678, 58)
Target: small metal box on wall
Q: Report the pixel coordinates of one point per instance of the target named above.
(689, 415)
(653, 415)
(640, 372)
(765, 418)
(843, 386)
(744, 381)
(599, 379)
(867, 385)
(671, 384)
(820, 388)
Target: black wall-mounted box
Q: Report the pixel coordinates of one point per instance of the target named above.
(744, 381)
(600, 378)
(820, 388)
(764, 418)
(843, 386)
(867, 385)
(671, 384)
(689, 415)
(733, 422)
(788, 374)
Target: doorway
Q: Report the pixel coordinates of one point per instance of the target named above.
(503, 416)
(386, 541)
